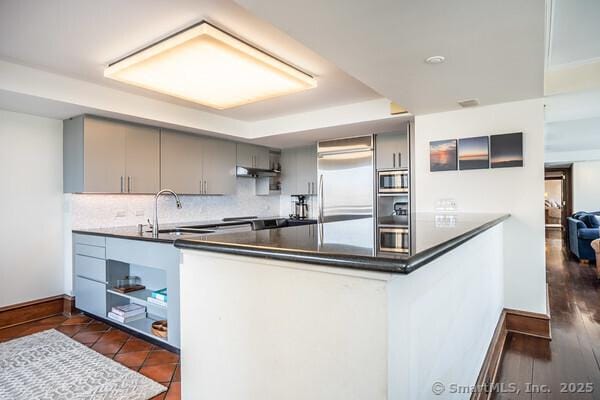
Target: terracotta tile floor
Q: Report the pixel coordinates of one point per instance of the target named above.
(149, 360)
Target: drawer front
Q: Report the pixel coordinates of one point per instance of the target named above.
(90, 296)
(89, 267)
(92, 240)
(156, 255)
(91, 251)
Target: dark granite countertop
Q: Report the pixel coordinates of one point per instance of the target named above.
(131, 232)
(351, 243)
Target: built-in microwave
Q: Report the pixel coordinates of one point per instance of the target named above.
(392, 181)
(393, 239)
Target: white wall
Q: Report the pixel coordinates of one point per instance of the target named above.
(518, 191)
(270, 329)
(31, 236)
(586, 186)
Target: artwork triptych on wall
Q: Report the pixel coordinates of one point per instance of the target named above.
(507, 150)
(481, 152)
(474, 153)
(442, 155)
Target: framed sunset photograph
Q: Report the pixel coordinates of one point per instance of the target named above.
(474, 153)
(506, 150)
(442, 155)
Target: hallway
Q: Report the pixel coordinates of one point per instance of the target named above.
(568, 366)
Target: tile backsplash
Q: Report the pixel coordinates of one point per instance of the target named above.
(98, 211)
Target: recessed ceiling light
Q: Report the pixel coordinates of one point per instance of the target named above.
(435, 59)
(206, 65)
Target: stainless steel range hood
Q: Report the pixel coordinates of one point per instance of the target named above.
(248, 172)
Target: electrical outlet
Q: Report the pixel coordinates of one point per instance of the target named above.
(448, 204)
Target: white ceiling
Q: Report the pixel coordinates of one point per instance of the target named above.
(574, 33)
(78, 38)
(494, 49)
(581, 134)
(362, 53)
(573, 115)
(311, 136)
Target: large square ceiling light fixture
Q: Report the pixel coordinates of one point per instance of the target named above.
(206, 65)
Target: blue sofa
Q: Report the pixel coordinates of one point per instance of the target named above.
(582, 230)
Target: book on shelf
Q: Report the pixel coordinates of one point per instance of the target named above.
(160, 294)
(123, 320)
(153, 300)
(129, 310)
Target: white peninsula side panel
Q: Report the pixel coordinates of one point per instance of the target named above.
(254, 328)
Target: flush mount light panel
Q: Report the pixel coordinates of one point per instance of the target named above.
(206, 65)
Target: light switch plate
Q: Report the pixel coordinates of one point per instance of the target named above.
(121, 213)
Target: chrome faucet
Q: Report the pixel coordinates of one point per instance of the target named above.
(164, 191)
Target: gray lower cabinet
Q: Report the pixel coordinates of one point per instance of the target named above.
(90, 296)
(192, 164)
(391, 150)
(89, 273)
(299, 171)
(98, 262)
(108, 156)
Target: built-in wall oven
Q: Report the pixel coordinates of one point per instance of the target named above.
(393, 239)
(392, 181)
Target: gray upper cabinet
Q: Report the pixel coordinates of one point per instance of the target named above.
(192, 164)
(262, 157)
(219, 166)
(289, 175)
(392, 150)
(142, 159)
(106, 156)
(181, 162)
(299, 170)
(252, 156)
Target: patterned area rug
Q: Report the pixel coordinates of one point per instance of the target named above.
(49, 365)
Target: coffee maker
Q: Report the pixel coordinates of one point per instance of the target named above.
(300, 207)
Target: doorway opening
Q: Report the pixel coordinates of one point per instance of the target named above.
(557, 200)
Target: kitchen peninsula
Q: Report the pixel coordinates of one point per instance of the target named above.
(316, 312)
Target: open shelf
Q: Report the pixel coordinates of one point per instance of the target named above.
(143, 325)
(139, 297)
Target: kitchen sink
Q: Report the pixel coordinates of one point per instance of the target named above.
(185, 231)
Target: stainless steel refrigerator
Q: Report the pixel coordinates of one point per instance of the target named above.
(346, 177)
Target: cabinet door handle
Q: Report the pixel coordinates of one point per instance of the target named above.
(205, 187)
(128, 184)
(308, 192)
(122, 185)
(399, 160)
(313, 188)
(394, 156)
(321, 203)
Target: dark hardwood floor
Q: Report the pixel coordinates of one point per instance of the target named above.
(567, 367)
(139, 355)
